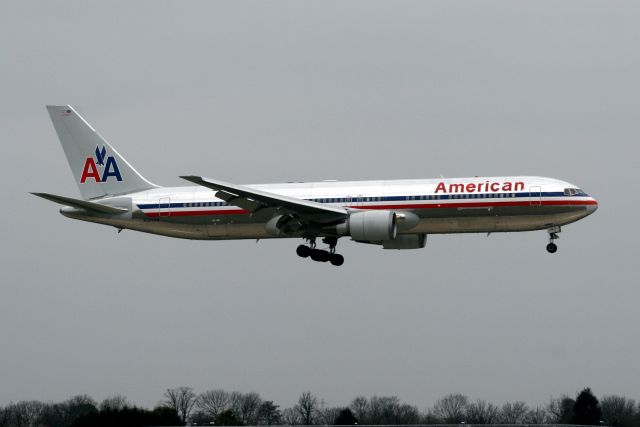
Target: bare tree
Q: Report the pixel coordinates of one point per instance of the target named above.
(618, 411)
(328, 415)
(513, 413)
(481, 412)
(248, 408)
(55, 415)
(560, 409)
(114, 403)
(307, 408)
(182, 400)
(291, 417)
(407, 414)
(430, 418)
(537, 415)
(269, 414)
(213, 402)
(235, 401)
(451, 408)
(360, 408)
(383, 409)
(10, 417)
(25, 413)
(77, 406)
(65, 413)
(5, 416)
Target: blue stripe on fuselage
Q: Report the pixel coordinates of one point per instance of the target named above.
(371, 199)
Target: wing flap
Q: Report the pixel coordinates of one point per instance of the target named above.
(244, 203)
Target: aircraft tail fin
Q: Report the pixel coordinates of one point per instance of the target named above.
(99, 170)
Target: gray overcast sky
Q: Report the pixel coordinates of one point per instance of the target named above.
(276, 91)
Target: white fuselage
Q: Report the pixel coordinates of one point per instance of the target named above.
(393, 214)
(455, 205)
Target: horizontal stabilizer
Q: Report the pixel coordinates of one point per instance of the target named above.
(81, 204)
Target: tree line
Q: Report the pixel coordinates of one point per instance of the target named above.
(182, 405)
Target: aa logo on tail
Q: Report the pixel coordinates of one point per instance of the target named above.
(107, 164)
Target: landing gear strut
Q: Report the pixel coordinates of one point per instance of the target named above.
(553, 235)
(320, 255)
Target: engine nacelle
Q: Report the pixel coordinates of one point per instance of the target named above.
(406, 241)
(372, 225)
(283, 225)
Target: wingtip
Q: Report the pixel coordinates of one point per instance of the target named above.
(191, 178)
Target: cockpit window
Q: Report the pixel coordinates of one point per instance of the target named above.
(574, 192)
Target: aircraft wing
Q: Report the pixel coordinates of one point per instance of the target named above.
(254, 200)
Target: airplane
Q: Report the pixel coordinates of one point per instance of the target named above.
(397, 214)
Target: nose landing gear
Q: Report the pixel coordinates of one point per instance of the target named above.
(320, 255)
(553, 235)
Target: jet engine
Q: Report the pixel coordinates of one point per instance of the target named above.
(371, 225)
(284, 225)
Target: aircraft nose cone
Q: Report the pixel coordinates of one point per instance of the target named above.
(593, 207)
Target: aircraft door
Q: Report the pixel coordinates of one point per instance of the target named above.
(164, 206)
(354, 201)
(535, 195)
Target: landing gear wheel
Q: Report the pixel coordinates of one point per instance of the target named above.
(337, 259)
(553, 235)
(320, 255)
(303, 251)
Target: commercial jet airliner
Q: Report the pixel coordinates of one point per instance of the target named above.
(395, 214)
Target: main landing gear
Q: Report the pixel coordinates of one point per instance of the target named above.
(553, 235)
(320, 255)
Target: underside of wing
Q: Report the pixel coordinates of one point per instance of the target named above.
(254, 200)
